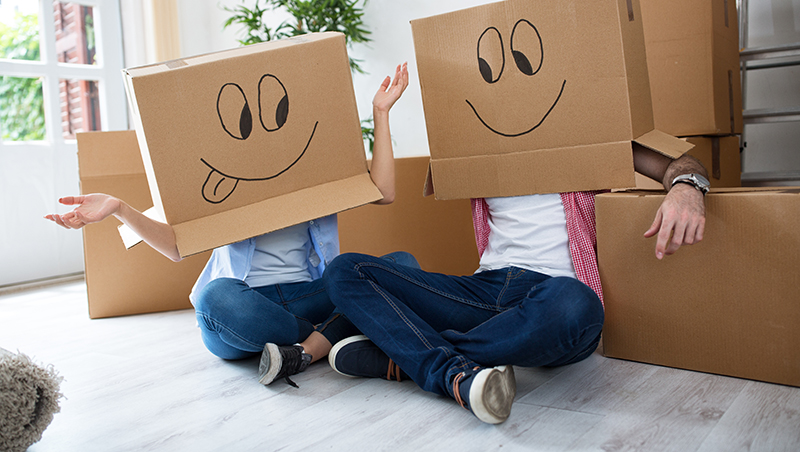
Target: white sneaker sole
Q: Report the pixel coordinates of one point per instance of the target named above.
(492, 394)
(270, 364)
(338, 346)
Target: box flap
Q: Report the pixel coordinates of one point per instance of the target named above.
(664, 144)
(580, 168)
(275, 213)
(723, 191)
(243, 51)
(131, 238)
(427, 190)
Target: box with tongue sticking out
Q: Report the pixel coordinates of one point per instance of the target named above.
(250, 140)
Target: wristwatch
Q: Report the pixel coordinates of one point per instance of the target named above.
(697, 181)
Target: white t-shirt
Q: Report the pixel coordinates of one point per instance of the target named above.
(280, 257)
(529, 232)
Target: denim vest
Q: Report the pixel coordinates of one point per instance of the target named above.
(233, 261)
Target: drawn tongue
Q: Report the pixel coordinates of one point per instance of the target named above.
(218, 187)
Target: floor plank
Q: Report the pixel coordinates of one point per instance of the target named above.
(595, 385)
(674, 410)
(765, 417)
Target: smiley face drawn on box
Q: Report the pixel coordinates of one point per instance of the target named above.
(238, 131)
(501, 78)
(527, 49)
(236, 117)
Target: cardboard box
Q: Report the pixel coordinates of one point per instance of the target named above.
(720, 156)
(693, 60)
(438, 233)
(525, 97)
(728, 305)
(246, 141)
(119, 281)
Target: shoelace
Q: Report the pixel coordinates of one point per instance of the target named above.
(456, 389)
(291, 363)
(393, 373)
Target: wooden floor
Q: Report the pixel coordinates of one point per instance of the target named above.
(143, 383)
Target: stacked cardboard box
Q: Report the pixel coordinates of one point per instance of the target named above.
(693, 62)
(728, 305)
(119, 281)
(438, 233)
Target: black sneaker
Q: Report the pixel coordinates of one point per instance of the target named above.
(357, 356)
(281, 362)
(487, 392)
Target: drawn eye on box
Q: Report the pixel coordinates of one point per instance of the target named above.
(236, 119)
(527, 50)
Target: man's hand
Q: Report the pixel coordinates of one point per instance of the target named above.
(681, 218)
(679, 221)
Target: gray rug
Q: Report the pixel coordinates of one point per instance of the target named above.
(29, 395)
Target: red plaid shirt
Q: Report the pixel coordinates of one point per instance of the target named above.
(581, 231)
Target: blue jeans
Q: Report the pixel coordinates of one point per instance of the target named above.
(236, 320)
(434, 326)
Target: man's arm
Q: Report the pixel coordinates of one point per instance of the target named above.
(681, 218)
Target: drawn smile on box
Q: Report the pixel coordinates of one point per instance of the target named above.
(492, 53)
(237, 121)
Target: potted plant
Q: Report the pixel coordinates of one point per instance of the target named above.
(308, 16)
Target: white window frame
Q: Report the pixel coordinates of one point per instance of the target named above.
(33, 175)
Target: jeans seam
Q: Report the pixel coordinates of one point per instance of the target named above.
(505, 287)
(427, 287)
(402, 316)
(208, 318)
(287, 301)
(583, 331)
(520, 272)
(322, 326)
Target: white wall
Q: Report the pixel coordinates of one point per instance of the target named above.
(201, 32)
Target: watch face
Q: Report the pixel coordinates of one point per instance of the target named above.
(699, 182)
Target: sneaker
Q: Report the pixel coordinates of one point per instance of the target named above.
(487, 392)
(357, 356)
(281, 362)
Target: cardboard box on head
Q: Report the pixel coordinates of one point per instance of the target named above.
(243, 142)
(525, 97)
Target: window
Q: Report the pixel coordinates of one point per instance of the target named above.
(60, 75)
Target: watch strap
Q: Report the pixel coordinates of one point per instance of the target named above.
(693, 180)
